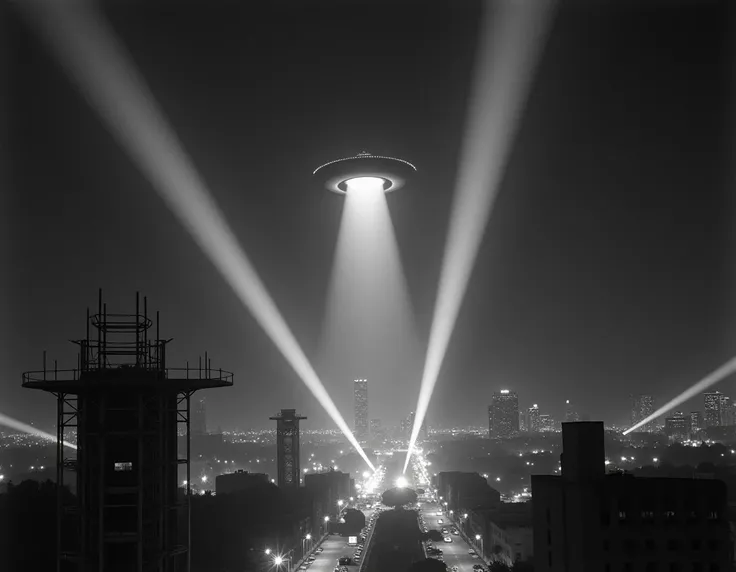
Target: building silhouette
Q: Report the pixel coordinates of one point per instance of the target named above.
(239, 481)
(503, 415)
(533, 423)
(199, 417)
(126, 405)
(712, 404)
(677, 427)
(585, 520)
(287, 448)
(642, 406)
(360, 396)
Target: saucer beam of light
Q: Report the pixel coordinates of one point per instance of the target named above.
(511, 40)
(6, 421)
(711, 379)
(107, 77)
(402, 483)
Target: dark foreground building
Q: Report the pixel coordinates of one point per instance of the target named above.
(239, 481)
(128, 513)
(587, 521)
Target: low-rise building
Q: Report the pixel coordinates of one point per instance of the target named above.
(585, 520)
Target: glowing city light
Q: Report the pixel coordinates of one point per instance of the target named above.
(278, 560)
(402, 483)
(709, 380)
(6, 421)
(267, 551)
(366, 474)
(511, 39)
(88, 49)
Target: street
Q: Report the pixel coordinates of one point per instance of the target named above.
(456, 552)
(335, 547)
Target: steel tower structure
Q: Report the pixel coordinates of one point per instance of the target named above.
(287, 447)
(125, 511)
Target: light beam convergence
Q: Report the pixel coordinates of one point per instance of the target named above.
(89, 51)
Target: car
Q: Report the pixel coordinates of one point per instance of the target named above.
(471, 551)
(319, 550)
(440, 521)
(344, 561)
(303, 567)
(444, 530)
(448, 539)
(454, 531)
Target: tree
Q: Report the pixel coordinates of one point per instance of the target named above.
(428, 565)
(354, 520)
(399, 497)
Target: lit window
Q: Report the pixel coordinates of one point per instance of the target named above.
(126, 466)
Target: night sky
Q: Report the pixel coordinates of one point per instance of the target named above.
(606, 268)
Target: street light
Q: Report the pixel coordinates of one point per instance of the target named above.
(278, 560)
(267, 551)
(308, 536)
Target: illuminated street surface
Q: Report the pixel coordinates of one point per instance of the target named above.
(455, 553)
(89, 51)
(335, 547)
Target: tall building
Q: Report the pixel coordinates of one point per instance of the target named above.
(696, 421)
(677, 427)
(571, 414)
(712, 401)
(126, 406)
(360, 399)
(287, 447)
(503, 415)
(642, 406)
(532, 416)
(727, 411)
(586, 520)
(199, 417)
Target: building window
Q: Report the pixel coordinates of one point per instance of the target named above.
(125, 466)
(647, 515)
(608, 568)
(628, 567)
(697, 567)
(606, 519)
(713, 515)
(518, 556)
(696, 544)
(651, 567)
(549, 537)
(622, 516)
(674, 567)
(549, 517)
(631, 545)
(649, 543)
(605, 545)
(673, 544)
(715, 568)
(549, 559)
(669, 515)
(714, 544)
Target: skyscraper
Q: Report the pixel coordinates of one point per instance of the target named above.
(199, 417)
(571, 415)
(696, 421)
(287, 447)
(713, 401)
(642, 406)
(503, 415)
(532, 416)
(360, 391)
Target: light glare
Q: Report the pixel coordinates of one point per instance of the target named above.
(364, 184)
(90, 52)
(510, 44)
(402, 483)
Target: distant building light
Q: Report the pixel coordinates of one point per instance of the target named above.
(504, 391)
(124, 466)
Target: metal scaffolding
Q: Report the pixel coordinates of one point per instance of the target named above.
(119, 504)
